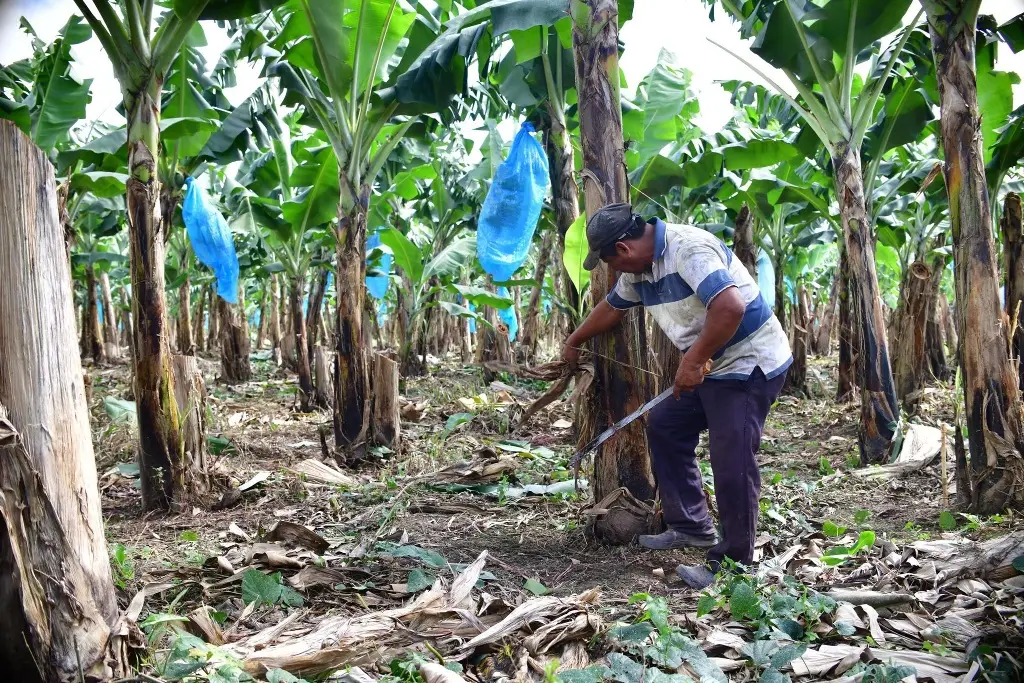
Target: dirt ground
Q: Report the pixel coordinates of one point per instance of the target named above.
(809, 450)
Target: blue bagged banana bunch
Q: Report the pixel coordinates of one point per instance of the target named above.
(211, 240)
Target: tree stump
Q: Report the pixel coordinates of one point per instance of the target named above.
(190, 395)
(323, 366)
(386, 424)
(57, 601)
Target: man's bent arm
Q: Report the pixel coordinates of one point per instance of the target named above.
(725, 313)
(603, 318)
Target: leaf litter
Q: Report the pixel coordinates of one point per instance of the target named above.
(442, 564)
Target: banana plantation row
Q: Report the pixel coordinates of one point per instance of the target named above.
(865, 203)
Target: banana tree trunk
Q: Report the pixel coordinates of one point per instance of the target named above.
(531, 327)
(234, 341)
(780, 292)
(93, 332)
(186, 344)
(57, 602)
(830, 309)
(991, 385)
(302, 350)
(845, 336)
(128, 337)
(564, 192)
(910, 358)
(743, 241)
(276, 304)
(879, 409)
(934, 333)
(622, 462)
(164, 471)
(796, 378)
(317, 292)
(199, 321)
(111, 345)
(1013, 253)
(351, 372)
(213, 332)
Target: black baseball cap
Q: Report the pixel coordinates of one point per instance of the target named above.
(609, 225)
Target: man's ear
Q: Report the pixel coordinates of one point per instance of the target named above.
(622, 248)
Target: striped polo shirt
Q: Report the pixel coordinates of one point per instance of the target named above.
(691, 267)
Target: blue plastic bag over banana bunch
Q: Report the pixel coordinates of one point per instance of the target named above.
(512, 207)
(377, 285)
(211, 240)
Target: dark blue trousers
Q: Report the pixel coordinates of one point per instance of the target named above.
(733, 411)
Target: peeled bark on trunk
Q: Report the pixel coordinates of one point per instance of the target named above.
(234, 341)
(93, 332)
(199, 321)
(623, 461)
(910, 366)
(190, 396)
(57, 603)
(317, 293)
(111, 346)
(743, 241)
(306, 396)
(1013, 253)
(322, 370)
(667, 356)
(846, 383)
(991, 385)
(186, 344)
(796, 378)
(351, 371)
(531, 326)
(879, 409)
(164, 472)
(386, 422)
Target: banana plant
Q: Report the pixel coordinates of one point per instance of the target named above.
(817, 46)
(334, 57)
(141, 48)
(426, 282)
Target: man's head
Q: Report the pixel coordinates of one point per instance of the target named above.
(621, 239)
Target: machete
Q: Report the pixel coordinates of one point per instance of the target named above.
(618, 426)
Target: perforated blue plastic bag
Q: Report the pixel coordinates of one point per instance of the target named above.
(508, 315)
(512, 207)
(377, 285)
(766, 279)
(211, 240)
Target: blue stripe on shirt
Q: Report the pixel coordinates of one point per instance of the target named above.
(756, 315)
(713, 284)
(618, 302)
(667, 290)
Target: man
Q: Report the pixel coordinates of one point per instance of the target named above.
(707, 303)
